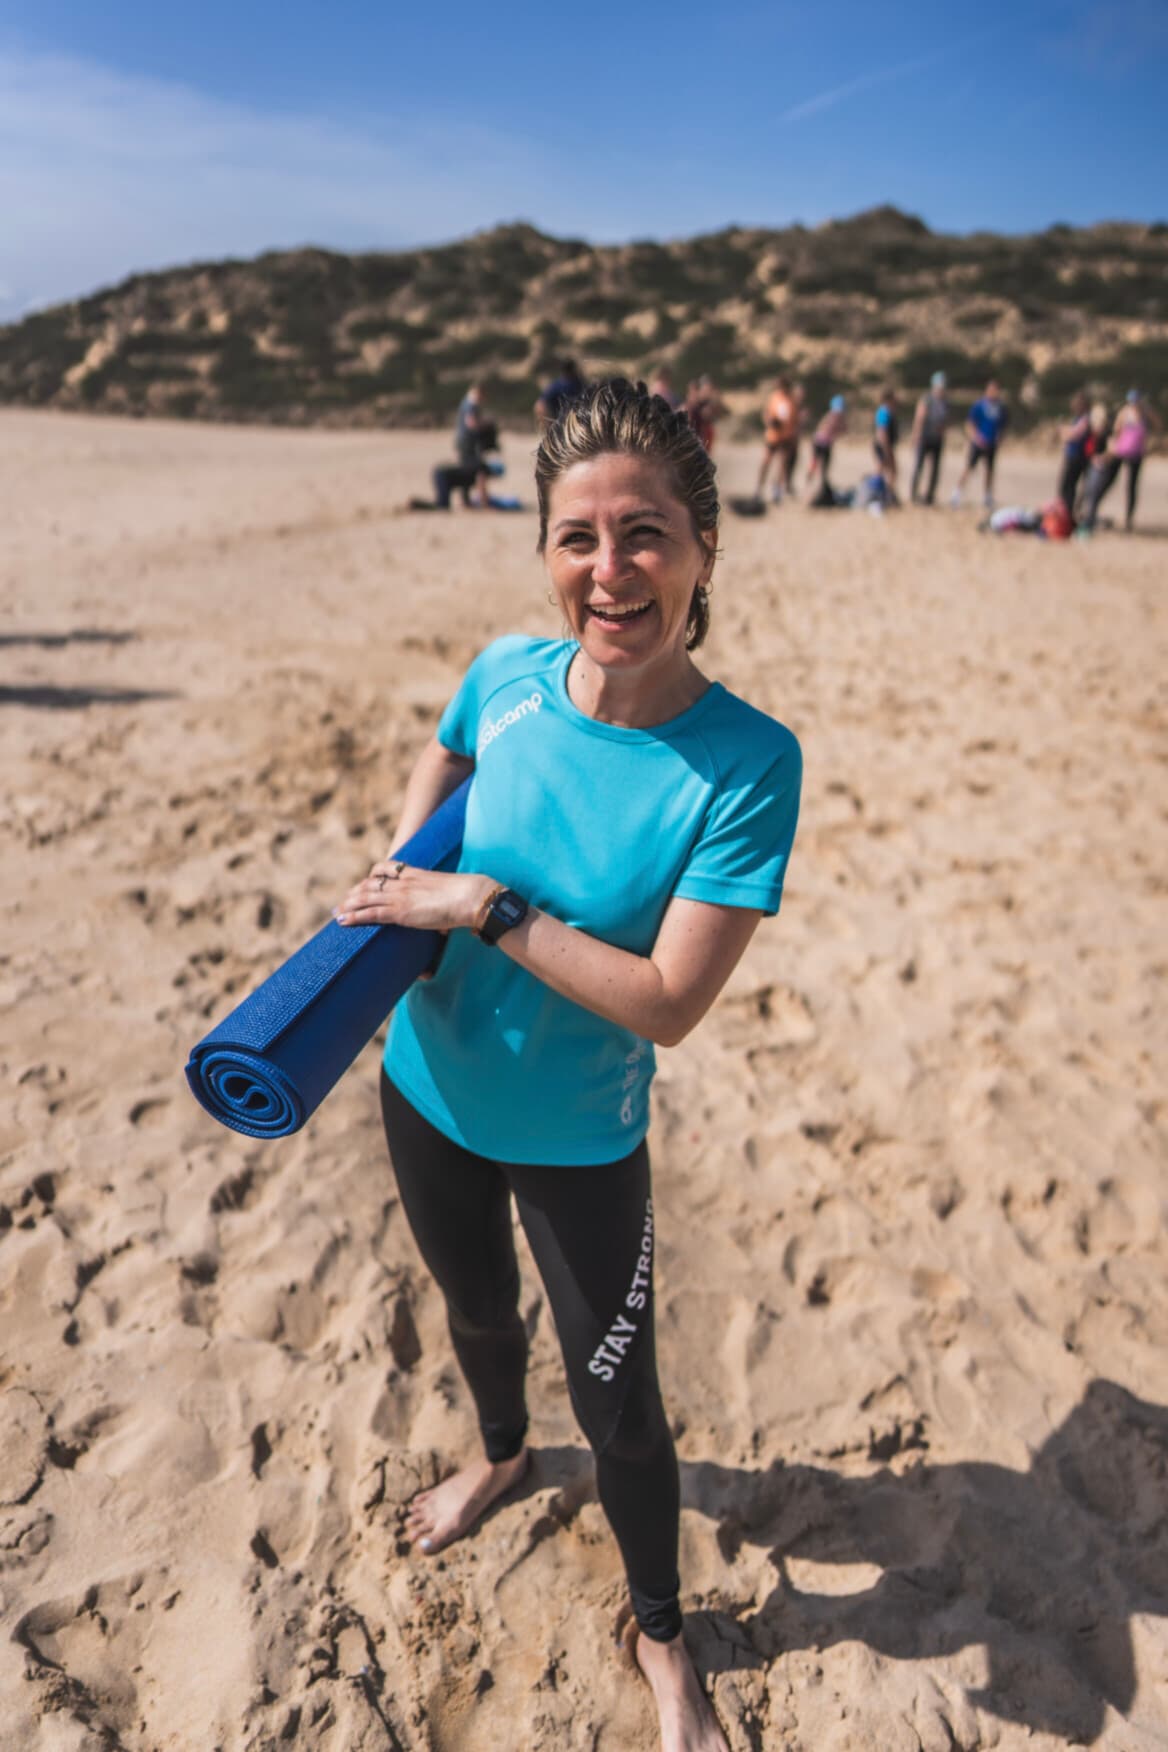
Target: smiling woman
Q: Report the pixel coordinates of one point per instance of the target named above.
(627, 828)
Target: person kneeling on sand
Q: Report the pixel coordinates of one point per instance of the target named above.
(629, 827)
(475, 435)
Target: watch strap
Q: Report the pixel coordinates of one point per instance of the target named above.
(484, 911)
(502, 911)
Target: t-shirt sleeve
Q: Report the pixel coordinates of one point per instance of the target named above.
(740, 858)
(458, 726)
(500, 662)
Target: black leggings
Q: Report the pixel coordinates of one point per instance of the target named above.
(591, 1232)
(987, 453)
(1074, 468)
(928, 451)
(1102, 479)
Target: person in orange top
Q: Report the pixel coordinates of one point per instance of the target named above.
(779, 428)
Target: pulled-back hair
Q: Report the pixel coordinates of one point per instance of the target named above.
(616, 417)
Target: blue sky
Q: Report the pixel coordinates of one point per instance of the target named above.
(137, 136)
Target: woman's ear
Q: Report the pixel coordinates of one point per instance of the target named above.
(710, 543)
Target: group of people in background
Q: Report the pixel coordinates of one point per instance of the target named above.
(1097, 446)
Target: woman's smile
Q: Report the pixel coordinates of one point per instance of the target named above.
(618, 615)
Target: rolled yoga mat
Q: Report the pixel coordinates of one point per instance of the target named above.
(268, 1065)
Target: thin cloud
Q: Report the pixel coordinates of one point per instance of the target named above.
(812, 106)
(104, 173)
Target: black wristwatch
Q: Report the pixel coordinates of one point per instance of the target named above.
(500, 912)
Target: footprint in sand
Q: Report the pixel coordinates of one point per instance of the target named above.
(150, 1111)
(24, 1445)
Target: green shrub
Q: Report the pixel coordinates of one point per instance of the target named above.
(601, 307)
(717, 350)
(374, 328)
(622, 348)
(159, 343)
(472, 353)
(510, 397)
(380, 276)
(548, 347)
(652, 270)
(979, 316)
(246, 379)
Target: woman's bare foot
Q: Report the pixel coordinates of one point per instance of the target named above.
(437, 1517)
(688, 1722)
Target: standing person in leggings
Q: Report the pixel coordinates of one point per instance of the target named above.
(985, 427)
(1125, 449)
(928, 435)
(1074, 435)
(628, 826)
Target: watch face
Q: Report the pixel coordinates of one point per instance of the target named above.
(509, 908)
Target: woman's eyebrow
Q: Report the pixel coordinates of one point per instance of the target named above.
(627, 517)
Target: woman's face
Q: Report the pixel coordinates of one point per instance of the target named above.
(623, 559)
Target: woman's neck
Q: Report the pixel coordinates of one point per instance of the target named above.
(635, 699)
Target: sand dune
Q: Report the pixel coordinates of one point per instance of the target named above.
(910, 1174)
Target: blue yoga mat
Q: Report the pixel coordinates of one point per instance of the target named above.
(269, 1064)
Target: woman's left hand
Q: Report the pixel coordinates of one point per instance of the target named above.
(394, 893)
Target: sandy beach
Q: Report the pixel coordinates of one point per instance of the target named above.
(909, 1174)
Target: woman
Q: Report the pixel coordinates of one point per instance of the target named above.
(930, 421)
(628, 827)
(778, 430)
(1125, 449)
(1074, 434)
(830, 428)
(885, 437)
(985, 427)
(704, 407)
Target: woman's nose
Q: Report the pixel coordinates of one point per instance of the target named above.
(608, 562)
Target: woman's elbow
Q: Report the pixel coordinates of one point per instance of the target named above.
(671, 1029)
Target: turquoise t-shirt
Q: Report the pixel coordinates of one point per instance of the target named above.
(600, 827)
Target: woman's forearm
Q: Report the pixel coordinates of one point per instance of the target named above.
(623, 988)
(436, 774)
(659, 997)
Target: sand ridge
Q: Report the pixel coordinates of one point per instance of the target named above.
(909, 1174)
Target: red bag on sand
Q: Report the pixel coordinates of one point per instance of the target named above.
(1056, 521)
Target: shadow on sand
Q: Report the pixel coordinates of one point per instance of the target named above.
(55, 641)
(75, 699)
(1043, 1568)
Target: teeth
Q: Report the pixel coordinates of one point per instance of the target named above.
(610, 613)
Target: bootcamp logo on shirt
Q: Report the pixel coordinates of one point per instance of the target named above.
(496, 726)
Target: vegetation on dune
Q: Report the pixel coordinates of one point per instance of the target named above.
(314, 334)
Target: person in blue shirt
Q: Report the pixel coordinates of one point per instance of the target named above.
(885, 437)
(627, 829)
(985, 425)
(562, 389)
